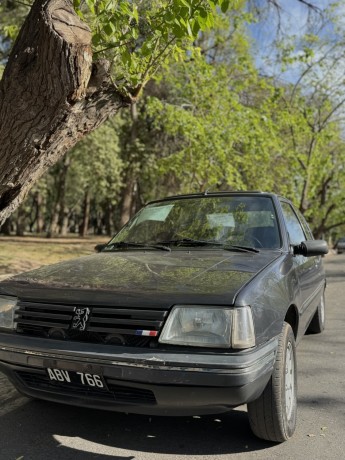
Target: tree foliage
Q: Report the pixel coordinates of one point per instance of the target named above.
(208, 118)
(138, 37)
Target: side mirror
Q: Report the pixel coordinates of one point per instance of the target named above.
(311, 248)
(99, 247)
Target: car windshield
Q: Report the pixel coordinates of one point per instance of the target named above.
(218, 221)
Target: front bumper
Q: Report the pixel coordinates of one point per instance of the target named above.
(143, 381)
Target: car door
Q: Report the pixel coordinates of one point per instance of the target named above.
(307, 269)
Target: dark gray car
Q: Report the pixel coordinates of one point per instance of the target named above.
(340, 246)
(194, 307)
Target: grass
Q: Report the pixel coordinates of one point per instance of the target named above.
(19, 254)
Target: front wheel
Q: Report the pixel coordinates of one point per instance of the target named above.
(273, 415)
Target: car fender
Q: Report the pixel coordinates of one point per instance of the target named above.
(270, 294)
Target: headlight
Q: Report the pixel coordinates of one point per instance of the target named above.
(202, 326)
(7, 306)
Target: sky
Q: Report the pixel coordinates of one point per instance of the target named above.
(294, 20)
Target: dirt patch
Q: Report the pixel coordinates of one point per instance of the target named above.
(21, 254)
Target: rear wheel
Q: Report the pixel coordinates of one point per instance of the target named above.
(317, 324)
(273, 415)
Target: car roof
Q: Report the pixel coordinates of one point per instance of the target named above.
(208, 194)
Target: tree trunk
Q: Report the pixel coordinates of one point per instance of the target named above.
(127, 201)
(109, 219)
(54, 222)
(63, 215)
(86, 215)
(39, 213)
(5, 229)
(58, 212)
(128, 192)
(21, 218)
(48, 97)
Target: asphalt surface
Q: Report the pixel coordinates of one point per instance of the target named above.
(38, 430)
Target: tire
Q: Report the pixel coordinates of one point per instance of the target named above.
(317, 324)
(273, 415)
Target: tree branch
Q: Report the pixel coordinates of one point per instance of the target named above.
(45, 105)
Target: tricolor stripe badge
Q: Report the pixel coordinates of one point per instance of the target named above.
(149, 333)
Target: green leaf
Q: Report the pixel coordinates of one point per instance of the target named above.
(126, 57)
(169, 17)
(124, 7)
(178, 31)
(96, 39)
(225, 6)
(210, 20)
(109, 29)
(91, 5)
(184, 12)
(135, 13)
(189, 30)
(195, 27)
(146, 48)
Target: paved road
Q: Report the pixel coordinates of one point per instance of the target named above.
(35, 430)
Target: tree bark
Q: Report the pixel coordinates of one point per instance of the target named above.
(86, 215)
(109, 219)
(58, 210)
(21, 218)
(127, 200)
(54, 221)
(5, 229)
(128, 192)
(39, 213)
(51, 95)
(63, 216)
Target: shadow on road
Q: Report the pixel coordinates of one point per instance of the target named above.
(56, 431)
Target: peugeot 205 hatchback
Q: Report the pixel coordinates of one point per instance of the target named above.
(194, 307)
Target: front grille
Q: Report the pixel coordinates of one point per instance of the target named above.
(110, 325)
(115, 393)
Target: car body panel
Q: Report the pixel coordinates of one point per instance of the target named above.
(183, 384)
(156, 279)
(340, 245)
(275, 290)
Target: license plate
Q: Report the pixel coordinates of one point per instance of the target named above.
(72, 377)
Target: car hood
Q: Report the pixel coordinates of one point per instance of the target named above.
(141, 278)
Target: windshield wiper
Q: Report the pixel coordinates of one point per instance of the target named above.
(194, 242)
(235, 247)
(129, 244)
(191, 242)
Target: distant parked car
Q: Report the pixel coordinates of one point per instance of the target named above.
(340, 246)
(194, 307)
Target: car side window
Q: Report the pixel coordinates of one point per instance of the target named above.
(305, 226)
(293, 225)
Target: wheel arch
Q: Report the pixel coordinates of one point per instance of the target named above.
(292, 318)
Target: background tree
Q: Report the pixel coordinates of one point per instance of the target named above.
(313, 110)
